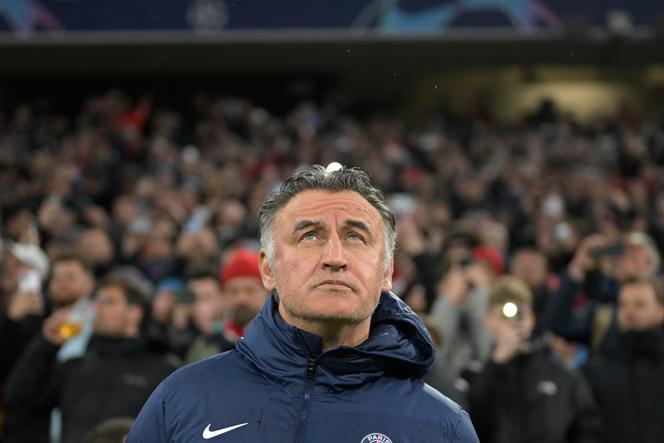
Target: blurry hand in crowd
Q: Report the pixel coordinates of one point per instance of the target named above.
(583, 260)
(52, 326)
(454, 286)
(24, 303)
(512, 335)
(478, 275)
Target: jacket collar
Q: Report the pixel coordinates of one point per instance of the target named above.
(398, 345)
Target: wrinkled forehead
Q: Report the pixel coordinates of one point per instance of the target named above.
(319, 205)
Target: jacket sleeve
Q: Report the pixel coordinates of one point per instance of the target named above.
(559, 316)
(150, 425)
(587, 426)
(34, 382)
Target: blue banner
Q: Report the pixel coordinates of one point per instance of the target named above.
(388, 16)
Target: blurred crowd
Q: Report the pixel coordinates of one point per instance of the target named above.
(532, 251)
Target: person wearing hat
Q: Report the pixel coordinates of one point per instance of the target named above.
(521, 394)
(242, 296)
(244, 292)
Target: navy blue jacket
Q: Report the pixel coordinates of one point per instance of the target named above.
(278, 386)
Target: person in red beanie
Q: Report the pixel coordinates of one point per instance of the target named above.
(242, 294)
(244, 291)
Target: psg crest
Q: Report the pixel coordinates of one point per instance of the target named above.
(376, 437)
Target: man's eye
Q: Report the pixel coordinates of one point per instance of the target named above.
(354, 236)
(311, 235)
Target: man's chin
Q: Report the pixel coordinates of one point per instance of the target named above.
(331, 316)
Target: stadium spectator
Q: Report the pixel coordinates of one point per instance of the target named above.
(112, 378)
(521, 395)
(629, 384)
(597, 269)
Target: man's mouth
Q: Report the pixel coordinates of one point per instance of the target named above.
(335, 283)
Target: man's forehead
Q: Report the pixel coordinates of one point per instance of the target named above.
(313, 204)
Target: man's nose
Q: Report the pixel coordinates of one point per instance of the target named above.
(334, 256)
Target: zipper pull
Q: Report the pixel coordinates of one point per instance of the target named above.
(311, 368)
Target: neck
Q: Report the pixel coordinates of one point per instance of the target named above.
(334, 333)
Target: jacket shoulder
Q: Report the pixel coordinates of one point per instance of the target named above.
(439, 408)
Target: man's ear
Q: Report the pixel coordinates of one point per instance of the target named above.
(387, 277)
(267, 276)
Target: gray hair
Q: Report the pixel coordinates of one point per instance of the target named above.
(317, 177)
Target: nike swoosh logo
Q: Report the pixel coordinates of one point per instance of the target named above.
(208, 434)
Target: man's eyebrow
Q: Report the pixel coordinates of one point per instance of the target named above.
(357, 224)
(304, 224)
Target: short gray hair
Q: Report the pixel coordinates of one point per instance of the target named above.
(317, 177)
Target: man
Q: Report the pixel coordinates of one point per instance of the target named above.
(112, 378)
(243, 297)
(597, 269)
(332, 356)
(629, 384)
(71, 280)
(521, 395)
(22, 270)
(531, 266)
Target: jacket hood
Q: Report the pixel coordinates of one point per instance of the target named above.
(398, 346)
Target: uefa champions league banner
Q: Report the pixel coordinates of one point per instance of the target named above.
(24, 17)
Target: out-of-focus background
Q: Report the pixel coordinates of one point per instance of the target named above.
(516, 138)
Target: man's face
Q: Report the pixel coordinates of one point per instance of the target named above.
(638, 308)
(638, 261)
(114, 316)
(530, 267)
(69, 282)
(245, 297)
(329, 258)
(208, 302)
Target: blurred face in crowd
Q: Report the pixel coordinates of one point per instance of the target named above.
(530, 266)
(95, 246)
(69, 282)
(329, 267)
(163, 305)
(638, 307)
(245, 297)
(114, 316)
(208, 304)
(638, 261)
(511, 330)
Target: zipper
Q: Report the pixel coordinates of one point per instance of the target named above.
(306, 401)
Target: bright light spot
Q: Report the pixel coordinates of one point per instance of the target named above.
(510, 310)
(334, 166)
